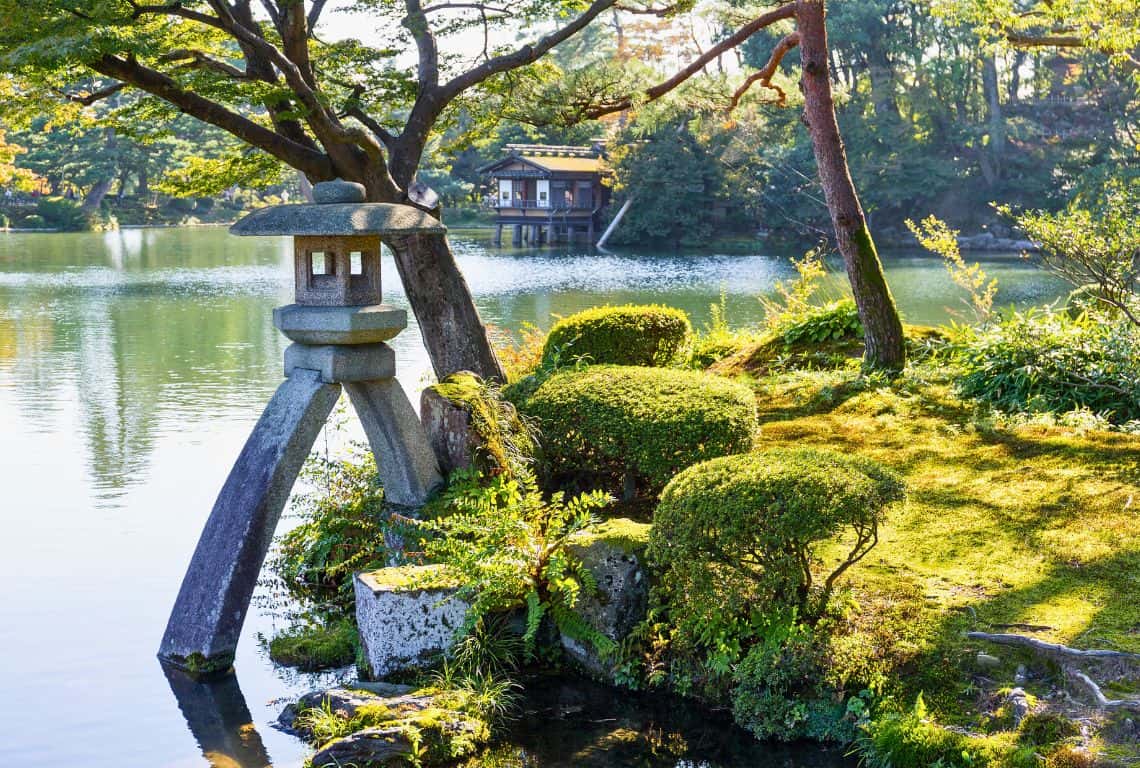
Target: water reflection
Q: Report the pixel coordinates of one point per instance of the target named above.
(570, 723)
(217, 715)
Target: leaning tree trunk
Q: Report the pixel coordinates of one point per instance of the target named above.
(882, 327)
(453, 332)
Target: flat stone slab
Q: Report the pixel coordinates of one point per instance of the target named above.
(339, 325)
(407, 616)
(338, 219)
(338, 363)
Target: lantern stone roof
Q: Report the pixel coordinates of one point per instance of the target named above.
(338, 219)
(339, 210)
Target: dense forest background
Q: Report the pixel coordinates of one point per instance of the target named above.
(936, 120)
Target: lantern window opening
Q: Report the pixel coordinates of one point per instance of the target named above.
(356, 263)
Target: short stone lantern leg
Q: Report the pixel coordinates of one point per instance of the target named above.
(338, 326)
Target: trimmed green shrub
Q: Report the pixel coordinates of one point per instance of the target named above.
(63, 214)
(648, 335)
(738, 531)
(33, 221)
(1043, 361)
(641, 424)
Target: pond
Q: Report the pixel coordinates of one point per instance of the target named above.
(132, 366)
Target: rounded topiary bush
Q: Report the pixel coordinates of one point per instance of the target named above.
(647, 335)
(645, 424)
(742, 530)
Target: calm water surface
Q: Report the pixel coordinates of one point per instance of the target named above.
(132, 366)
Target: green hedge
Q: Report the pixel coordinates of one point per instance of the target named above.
(647, 335)
(607, 420)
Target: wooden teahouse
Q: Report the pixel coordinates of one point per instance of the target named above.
(548, 193)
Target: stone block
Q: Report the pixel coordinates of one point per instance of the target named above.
(614, 554)
(449, 432)
(407, 616)
(337, 363)
(339, 325)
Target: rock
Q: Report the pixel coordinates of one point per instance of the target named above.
(1018, 704)
(986, 661)
(448, 426)
(1021, 675)
(347, 701)
(389, 725)
(371, 746)
(613, 553)
(407, 616)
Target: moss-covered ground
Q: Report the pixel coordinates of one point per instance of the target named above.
(1009, 526)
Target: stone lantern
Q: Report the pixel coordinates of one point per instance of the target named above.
(338, 326)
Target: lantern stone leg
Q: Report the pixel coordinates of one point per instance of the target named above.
(204, 626)
(406, 463)
(338, 324)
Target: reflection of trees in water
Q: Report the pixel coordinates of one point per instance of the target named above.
(125, 356)
(216, 712)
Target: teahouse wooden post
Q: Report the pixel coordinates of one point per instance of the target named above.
(339, 327)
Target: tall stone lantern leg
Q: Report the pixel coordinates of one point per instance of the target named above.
(338, 327)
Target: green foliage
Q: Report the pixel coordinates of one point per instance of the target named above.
(507, 545)
(743, 530)
(1041, 360)
(717, 340)
(779, 692)
(65, 215)
(649, 335)
(671, 159)
(913, 740)
(608, 422)
(342, 528)
(935, 236)
(315, 644)
(1042, 729)
(1095, 245)
(832, 322)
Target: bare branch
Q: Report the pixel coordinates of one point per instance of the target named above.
(313, 163)
(87, 99)
(785, 11)
(1026, 40)
(175, 9)
(200, 60)
(476, 6)
(765, 73)
(417, 24)
(524, 55)
(315, 14)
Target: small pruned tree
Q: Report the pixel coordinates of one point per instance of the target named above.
(1096, 246)
(743, 531)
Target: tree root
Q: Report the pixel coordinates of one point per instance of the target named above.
(1072, 655)
(1086, 682)
(1054, 649)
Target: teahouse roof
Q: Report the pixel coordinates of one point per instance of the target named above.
(546, 159)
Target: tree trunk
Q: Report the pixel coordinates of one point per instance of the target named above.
(94, 197)
(992, 157)
(882, 327)
(452, 330)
